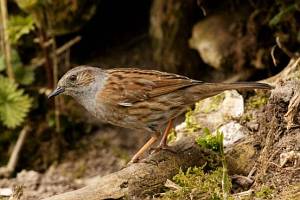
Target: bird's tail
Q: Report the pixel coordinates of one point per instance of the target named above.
(239, 85)
(205, 90)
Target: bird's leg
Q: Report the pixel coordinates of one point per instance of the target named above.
(163, 142)
(146, 146)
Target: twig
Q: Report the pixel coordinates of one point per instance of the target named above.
(37, 62)
(17, 193)
(7, 49)
(13, 160)
(273, 56)
(283, 48)
(55, 71)
(224, 170)
(46, 60)
(293, 108)
(285, 74)
(244, 194)
(252, 171)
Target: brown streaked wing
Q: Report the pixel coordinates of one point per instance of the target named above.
(126, 86)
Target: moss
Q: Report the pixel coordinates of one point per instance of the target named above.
(240, 158)
(265, 192)
(191, 124)
(247, 117)
(172, 135)
(209, 106)
(196, 184)
(214, 104)
(256, 101)
(210, 141)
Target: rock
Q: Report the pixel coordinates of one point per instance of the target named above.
(240, 159)
(218, 110)
(5, 192)
(233, 132)
(212, 38)
(30, 179)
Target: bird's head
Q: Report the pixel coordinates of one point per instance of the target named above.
(79, 82)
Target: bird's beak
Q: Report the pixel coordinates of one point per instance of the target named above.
(56, 92)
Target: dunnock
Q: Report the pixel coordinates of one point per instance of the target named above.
(139, 99)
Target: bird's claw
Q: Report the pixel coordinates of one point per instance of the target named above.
(159, 148)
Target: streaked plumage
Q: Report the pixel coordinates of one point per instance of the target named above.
(139, 99)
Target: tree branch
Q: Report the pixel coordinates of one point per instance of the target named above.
(146, 177)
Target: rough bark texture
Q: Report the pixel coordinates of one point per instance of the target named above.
(170, 28)
(145, 178)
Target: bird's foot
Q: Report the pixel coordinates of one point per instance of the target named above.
(133, 160)
(161, 147)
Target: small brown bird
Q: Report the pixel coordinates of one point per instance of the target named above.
(139, 99)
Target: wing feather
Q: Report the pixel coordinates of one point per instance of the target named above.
(127, 86)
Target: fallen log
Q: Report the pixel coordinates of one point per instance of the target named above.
(146, 177)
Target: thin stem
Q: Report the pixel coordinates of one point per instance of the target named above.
(54, 70)
(12, 163)
(224, 168)
(6, 48)
(43, 38)
(1, 35)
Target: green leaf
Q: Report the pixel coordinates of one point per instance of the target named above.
(283, 12)
(19, 26)
(24, 75)
(14, 104)
(15, 60)
(27, 5)
(209, 141)
(2, 63)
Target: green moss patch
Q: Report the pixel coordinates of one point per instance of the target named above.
(191, 124)
(197, 184)
(256, 101)
(265, 192)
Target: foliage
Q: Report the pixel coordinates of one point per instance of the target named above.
(19, 26)
(14, 104)
(215, 143)
(265, 192)
(256, 101)
(28, 5)
(65, 16)
(23, 75)
(191, 125)
(172, 135)
(196, 184)
(285, 10)
(209, 141)
(214, 104)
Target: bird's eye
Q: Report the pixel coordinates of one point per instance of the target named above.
(73, 78)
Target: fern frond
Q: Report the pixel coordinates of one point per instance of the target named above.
(14, 104)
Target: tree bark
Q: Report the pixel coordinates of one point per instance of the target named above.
(146, 177)
(170, 28)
